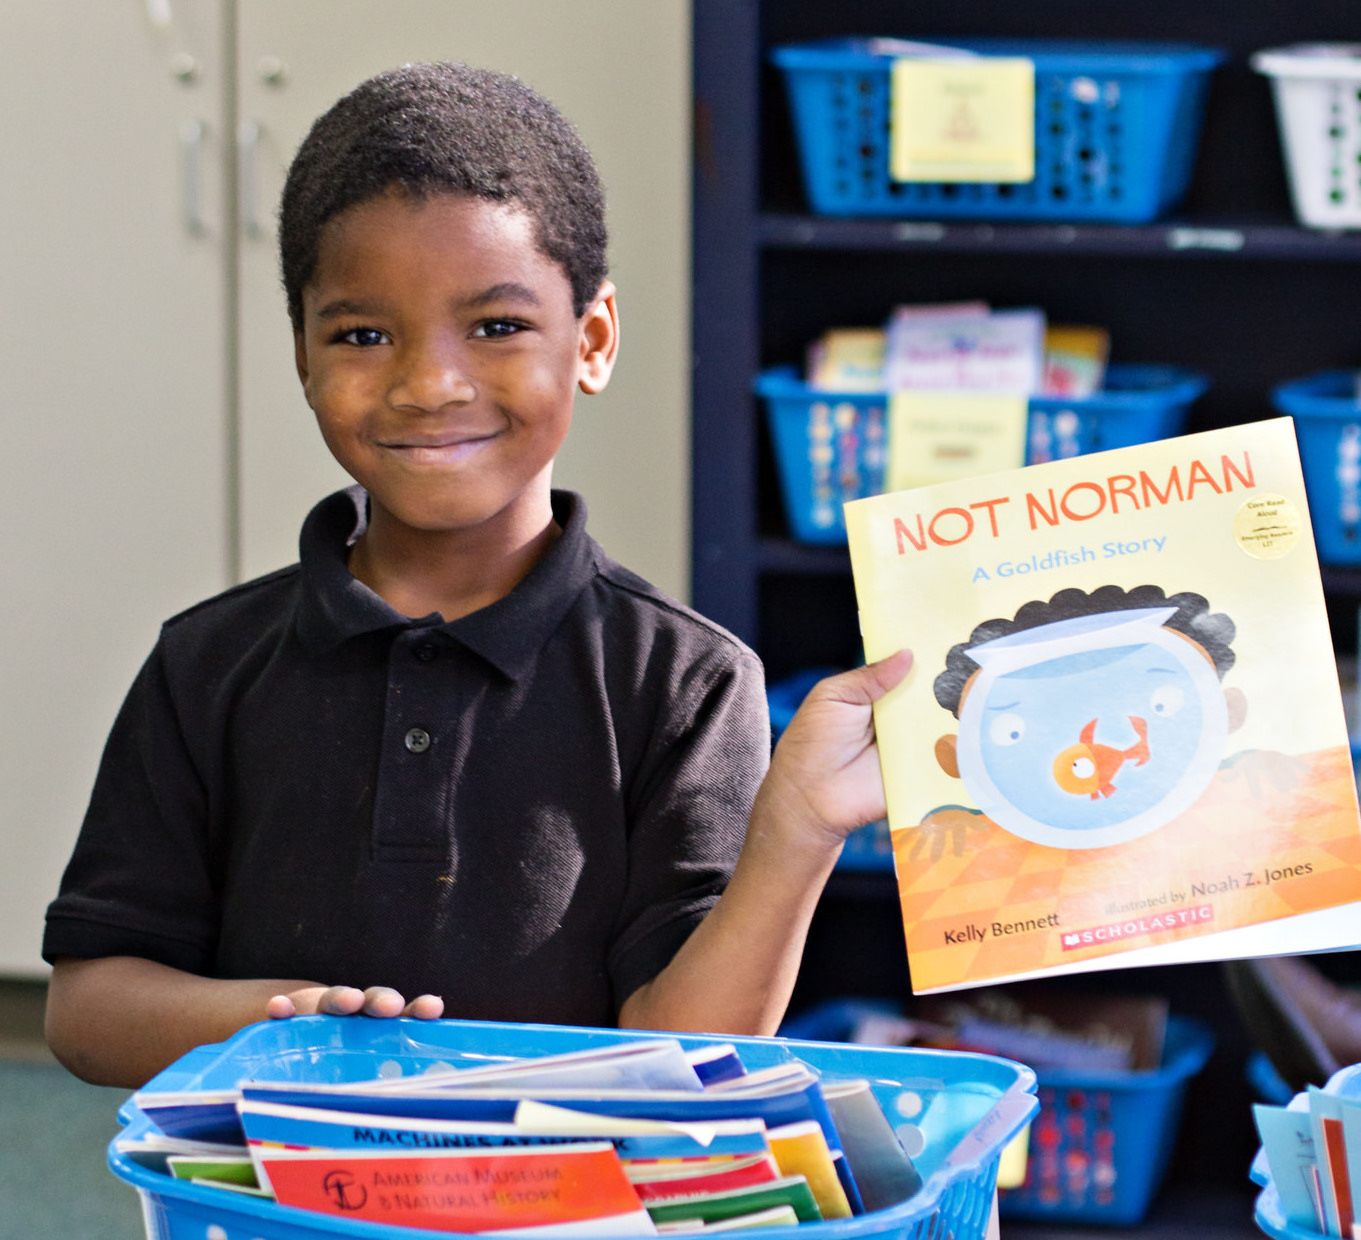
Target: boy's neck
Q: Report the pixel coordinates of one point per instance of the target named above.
(452, 572)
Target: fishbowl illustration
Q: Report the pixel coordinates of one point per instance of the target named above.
(1096, 728)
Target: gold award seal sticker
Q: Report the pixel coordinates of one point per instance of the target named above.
(1267, 527)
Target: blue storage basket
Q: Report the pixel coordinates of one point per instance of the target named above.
(1268, 1214)
(1100, 1146)
(1108, 1135)
(868, 849)
(1116, 128)
(832, 447)
(965, 1135)
(1328, 426)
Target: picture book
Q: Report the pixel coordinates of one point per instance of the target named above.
(662, 1179)
(884, 1173)
(1122, 740)
(193, 1115)
(652, 1064)
(801, 1149)
(1288, 1141)
(715, 1063)
(271, 1124)
(777, 1216)
(989, 350)
(1325, 1119)
(790, 1191)
(464, 1190)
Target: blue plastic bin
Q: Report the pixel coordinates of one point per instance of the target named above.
(957, 1100)
(869, 849)
(1116, 128)
(1100, 1145)
(832, 447)
(1268, 1213)
(1328, 426)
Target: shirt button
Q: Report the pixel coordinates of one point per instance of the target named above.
(425, 652)
(417, 740)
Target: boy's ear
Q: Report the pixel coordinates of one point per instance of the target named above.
(599, 341)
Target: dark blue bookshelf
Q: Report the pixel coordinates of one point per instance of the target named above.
(1231, 286)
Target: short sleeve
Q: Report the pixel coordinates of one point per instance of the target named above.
(138, 882)
(689, 806)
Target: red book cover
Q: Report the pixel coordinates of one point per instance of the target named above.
(459, 1190)
(663, 1180)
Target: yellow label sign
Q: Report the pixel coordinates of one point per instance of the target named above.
(1267, 527)
(942, 436)
(962, 120)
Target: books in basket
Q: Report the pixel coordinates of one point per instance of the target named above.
(1122, 740)
(493, 1151)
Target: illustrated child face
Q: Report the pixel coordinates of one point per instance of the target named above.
(440, 354)
(1090, 731)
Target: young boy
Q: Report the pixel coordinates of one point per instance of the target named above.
(455, 761)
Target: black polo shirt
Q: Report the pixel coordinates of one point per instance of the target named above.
(526, 810)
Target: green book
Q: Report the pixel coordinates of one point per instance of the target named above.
(791, 1191)
(220, 1168)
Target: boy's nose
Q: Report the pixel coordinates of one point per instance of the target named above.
(430, 378)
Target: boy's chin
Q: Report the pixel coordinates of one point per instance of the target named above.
(462, 513)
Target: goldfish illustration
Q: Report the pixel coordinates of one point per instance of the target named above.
(1036, 690)
(1091, 768)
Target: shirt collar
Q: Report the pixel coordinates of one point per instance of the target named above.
(508, 634)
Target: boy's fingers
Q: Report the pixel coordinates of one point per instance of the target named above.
(382, 1001)
(425, 1007)
(340, 1001)
(865, 685)
(280, 1007)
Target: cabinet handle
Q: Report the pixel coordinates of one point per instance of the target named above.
(247, 158)
(191, 176)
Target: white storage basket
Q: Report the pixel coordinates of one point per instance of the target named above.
(1318, 107)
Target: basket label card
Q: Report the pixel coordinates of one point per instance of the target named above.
(939, 436)
(962, 119)
(1122, 740)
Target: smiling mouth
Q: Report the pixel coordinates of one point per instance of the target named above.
(441, 452)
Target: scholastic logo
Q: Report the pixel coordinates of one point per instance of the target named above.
(1135, 926)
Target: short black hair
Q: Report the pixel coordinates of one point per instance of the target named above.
(446, 128)
(1193, 619)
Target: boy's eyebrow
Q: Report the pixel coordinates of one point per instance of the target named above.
(343, 306)
(507, 291)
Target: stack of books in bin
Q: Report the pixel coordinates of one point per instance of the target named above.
(1309, 1165)
(615, 1136)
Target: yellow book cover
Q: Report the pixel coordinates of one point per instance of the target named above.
(1122, 739)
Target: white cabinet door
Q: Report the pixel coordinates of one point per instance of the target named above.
(620, 70)
(112, 480)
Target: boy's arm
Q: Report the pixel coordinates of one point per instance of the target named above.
(118, 1020)
(736, 971)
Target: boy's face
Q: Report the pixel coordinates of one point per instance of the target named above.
(441, 356)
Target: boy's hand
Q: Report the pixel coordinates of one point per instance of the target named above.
(350, 1001)
(825, 769)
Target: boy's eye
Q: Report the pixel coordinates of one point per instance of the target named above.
(364, 337)
(496, 329)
